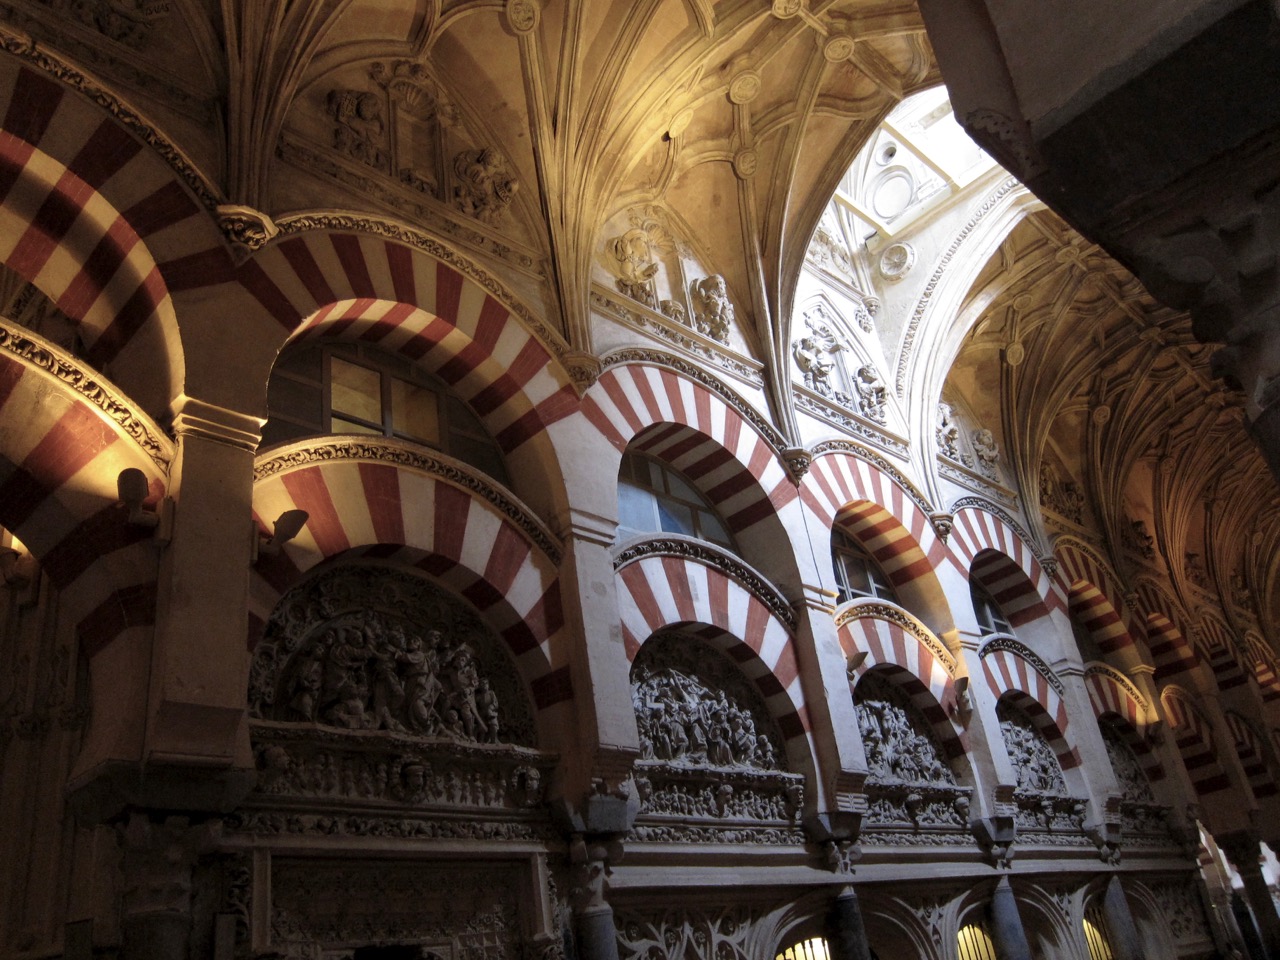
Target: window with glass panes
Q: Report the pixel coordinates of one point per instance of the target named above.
(857, 574)
(990, 617)
(337, 388)
(653, 497)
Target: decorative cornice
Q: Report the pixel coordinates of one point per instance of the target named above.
(1007, 643)
(687, 548)
(1095, 668)
(981, 503)
(943, 265)
(880, 463)
(371, 224)
(36, 56)
(847, 419)
(966, 476)
(875, 610)
(35, 351)
(659, 359)
(649, 321)
(308, 452)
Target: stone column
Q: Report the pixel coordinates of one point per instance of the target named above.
(846, 936)
(1122, 931)
(156, 896)
(596, 932)
(1243, 852)
(1006, 924)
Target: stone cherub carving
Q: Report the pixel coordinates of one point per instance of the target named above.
(712, 311)
(636, 268)
(814, 357)
(484, 187)
(946, 432)
(871, 393)
(987, 451)
(360, 125)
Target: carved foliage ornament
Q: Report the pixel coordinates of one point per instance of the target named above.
(373, 649)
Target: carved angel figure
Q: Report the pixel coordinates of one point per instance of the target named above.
(360, 125)
(635, 267)
(712, 310)
(814, 360)
(484, 188)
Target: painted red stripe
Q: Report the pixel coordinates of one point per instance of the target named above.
(381, 483)
(448, 293)
(389, 323)
(96, 271)
(546, 618)
(95, 537)
(300, 258)
(351, 258)
(14, 155)
(263, 289)
(129, 607)
(400, 266)
(452, 509)
(507, 558)
(11, 371)
(307, 489)
(678, 582)
(204, 269)
(135, 312)
(34, 101)
(552, 688)
(68, 445)
(169, 205)
(598, 419)
(641, 593)
(427, 339)
(757, 623)
(613, 387)
(107, 151)
(52, 219)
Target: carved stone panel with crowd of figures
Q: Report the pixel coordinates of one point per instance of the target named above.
(1043, 802)
(1141, 816)
(376, 687)
(911, 783)
(709, 748)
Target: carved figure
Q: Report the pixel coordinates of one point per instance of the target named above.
(360, 124)
(946, 432)
(871, 393)
(1139, 540)
(712, 311)
(484, 187)
(675, 310)
(1033, 760)
(815, 363)
(895, 737)
(636, 268)
(1196, 572)
(987, 451)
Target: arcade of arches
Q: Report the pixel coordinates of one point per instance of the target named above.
(593, 481)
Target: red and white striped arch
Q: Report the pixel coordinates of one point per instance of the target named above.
(60, 456)
(1171, 651)
(1219, 647)
(656, 592)
(364, 508)
(990, 549)
(1093, 595)
(910, 664)
(1110, 698)
(103, 226)
(687, 425)
(368, 288)
(1252, 756)
(1013, 677)
(877, 511)
(1264, 667)
(1194, 739)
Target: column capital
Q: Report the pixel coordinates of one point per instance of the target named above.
(585, 525)
(207, 421)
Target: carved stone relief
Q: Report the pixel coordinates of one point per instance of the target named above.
(1138, 540)
(708, 747)
(946, 432)
(327, 909)
(828, 249)
(1180, 909)
(712, 312)
(1195, 569)
(636, 270)
(1060, 494)
(910, 783)
(986, 452)
(485, 187)
(130, 22)
(1142, 818)
(360, 128)
(687, 933)
(1042, 803)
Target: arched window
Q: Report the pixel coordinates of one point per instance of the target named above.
(655, 498)
(815, 948)
(974, 942)
(857, 573)
(991, 618)
(1095, 931)
(342, 388)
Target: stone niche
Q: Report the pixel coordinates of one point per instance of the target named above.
(1045, 807)
(375, 687)
(912, 793)
(712, 757)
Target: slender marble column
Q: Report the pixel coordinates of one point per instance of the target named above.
(846, 936)
(1121, 930)
(1006, 925)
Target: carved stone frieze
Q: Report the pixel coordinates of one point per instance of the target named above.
(900, 746)
(359, 130)
(398, 826)
(670, 324)
(675, 791)
(404, 199)
(89, 384)
(682, 933)
(659, 831)
(728, 564)
(1181, 909)
(308, 452)
(1033, 760)
(366, 648)
(130, 22)
(843, 416)
(986, 453)
(245, 228)
(450, 911)
(1061, 495)
(713, 314)
(695, 708)
(1026, 653)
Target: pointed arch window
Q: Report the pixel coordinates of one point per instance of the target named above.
(654, 497)
(991, 617)
(857, 573)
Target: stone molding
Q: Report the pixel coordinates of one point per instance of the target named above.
(981, 503)
(1005, 642)
(881, 464)
(1096, 668)
(892, 614)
